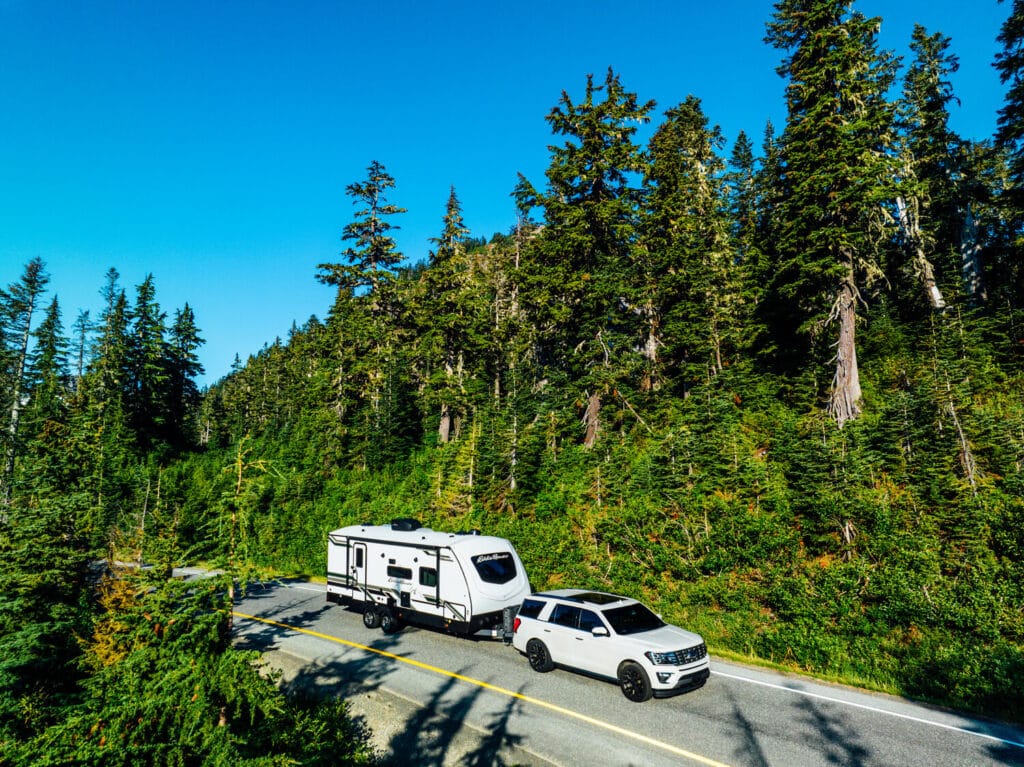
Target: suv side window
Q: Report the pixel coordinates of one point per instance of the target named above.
(565, 615)
(531, 608)
(589, 620)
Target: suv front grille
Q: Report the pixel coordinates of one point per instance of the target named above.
(690, 655)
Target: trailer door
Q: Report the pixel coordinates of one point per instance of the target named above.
(357, 568)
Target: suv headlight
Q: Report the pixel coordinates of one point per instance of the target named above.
(661, 658)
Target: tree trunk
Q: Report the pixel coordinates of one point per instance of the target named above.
(967, 461)
(922, 266)
(649, 349)
(16, 395)
(844, 404)
(444, 426)
(514, 455)
(592, 420)
(970, 261)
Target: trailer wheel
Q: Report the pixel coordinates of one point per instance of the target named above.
(371, 616)
(389, 622)
(538, 655)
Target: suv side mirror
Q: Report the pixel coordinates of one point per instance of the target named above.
(599, 631)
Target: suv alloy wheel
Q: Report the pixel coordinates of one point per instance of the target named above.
(634, 682)
(538, 655)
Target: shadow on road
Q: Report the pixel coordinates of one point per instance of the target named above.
(497, 741)
(430, 737)
(256, 635)
(434, 733)
(1008, 754)
(836, 740)
(748, 750)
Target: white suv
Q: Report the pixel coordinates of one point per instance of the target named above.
(613, 637)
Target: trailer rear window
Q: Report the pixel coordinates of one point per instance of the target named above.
(495, 568)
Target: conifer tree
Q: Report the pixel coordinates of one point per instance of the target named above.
(691, 266)
(366, 309)
(183, 367)
(772, 336)
(837, 154)
(1010, 138)
(448, 320)
(103, 441)
(82, 328)
(928, 203)
(43, 610)
(110, 363)
(48, 366)
(742, 193)
(510, 359)
(167, 689)
(18, 307)
(1009, 63)
(148, 366)
(374, 254)
(46, 415)
(746, 198)
(580, 267)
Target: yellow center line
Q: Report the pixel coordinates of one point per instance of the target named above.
(501, 690)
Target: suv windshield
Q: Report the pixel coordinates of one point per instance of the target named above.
(495, 568)
(632, 619)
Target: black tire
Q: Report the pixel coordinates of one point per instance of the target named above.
(371, 616)
(389, 622)
(634, 683)
(538, 655)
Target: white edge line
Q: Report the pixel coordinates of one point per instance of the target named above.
(873, 709)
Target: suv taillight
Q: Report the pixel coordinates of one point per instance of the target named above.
(516, 624)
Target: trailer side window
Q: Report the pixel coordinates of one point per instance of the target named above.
(359, 556)
(495, 568)
(401, 573)
(428, 577)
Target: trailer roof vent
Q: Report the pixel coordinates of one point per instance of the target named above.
(406, 524)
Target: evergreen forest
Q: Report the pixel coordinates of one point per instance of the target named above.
(774, 389)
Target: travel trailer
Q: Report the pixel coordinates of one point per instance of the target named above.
(463, 583)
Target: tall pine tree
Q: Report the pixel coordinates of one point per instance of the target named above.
(364, 318)
(183, 367)
(690, 262)
(578, 273)
(838, 169)
(928, 205)
(448, 322)
(1010, 137)
(17, 309)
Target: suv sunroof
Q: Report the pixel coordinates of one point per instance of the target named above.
(596, 598)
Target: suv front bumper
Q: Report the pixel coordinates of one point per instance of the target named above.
(689, 680)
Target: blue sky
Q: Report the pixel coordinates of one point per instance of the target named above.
(210, 144)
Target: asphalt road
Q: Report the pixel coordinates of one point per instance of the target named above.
(456, 687)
